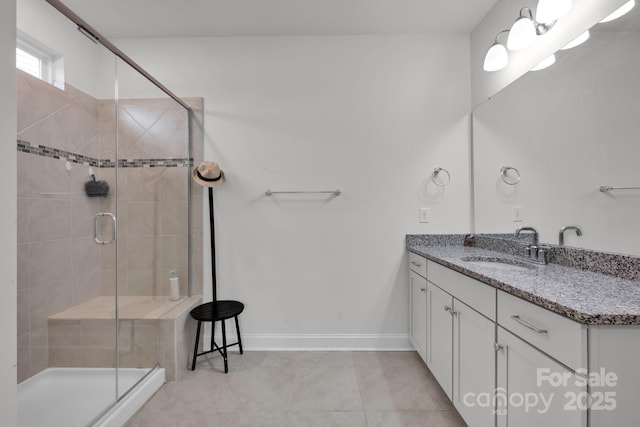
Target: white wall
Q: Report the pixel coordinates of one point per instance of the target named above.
(583, 15)
(369, 115)
(8, 188)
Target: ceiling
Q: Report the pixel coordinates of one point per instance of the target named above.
(194, 18)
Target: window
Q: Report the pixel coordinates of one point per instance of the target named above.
(39, 61)
(32, 64)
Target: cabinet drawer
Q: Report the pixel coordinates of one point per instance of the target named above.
(474, 293)
(418, 264)
(559, 337)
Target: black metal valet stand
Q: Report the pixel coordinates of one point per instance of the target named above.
(216, 310)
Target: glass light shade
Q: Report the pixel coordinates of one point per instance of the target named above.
(496, 58)
(621, 11)
(577, 41)
(549, 11)
(547, 62)
(522, 34)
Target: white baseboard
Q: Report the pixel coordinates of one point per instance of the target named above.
(324, 342)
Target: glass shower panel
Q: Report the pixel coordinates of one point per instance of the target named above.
(103, 223)
(152, 171)
(66, 139)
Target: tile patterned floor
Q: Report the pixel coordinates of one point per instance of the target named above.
(300, 389)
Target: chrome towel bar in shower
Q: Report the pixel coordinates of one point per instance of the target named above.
(334, 192)
(605, 188)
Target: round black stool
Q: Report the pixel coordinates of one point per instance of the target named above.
(213, 312)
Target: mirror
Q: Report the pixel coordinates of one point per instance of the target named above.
(567, 130)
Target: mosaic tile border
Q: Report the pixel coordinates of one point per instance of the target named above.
(55, 153)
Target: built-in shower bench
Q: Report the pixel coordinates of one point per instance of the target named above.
(150, 330)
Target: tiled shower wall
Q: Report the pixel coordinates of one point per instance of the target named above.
(58, 263)
(152, 198)
(60, 135)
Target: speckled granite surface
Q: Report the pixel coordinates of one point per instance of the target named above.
(584, 296)
(623, 266)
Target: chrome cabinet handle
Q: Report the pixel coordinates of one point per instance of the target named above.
(497, 346)
(528, 325)
(114, 231)
(450, 310)
(423, 289)
(416, 264)
(447, 308)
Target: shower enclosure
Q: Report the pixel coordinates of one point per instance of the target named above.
(104, 214)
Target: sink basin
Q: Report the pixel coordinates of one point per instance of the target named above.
(498, 263)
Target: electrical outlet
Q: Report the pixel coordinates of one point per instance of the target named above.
(517, 213)
(424, 214)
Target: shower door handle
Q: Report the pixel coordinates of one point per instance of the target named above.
(114, 230)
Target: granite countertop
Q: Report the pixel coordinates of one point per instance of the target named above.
(584, 296)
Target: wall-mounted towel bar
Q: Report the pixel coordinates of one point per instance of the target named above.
(334, 192)
(606, 188)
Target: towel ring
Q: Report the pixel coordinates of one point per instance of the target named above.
(506, 178)
(435, 174)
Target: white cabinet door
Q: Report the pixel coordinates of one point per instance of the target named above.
(534, 390)
(418, 289)
(473, 365)
(440, 336)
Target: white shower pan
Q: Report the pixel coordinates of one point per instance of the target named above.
(73, 397)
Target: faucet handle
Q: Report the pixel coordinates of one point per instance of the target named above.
(542, 255)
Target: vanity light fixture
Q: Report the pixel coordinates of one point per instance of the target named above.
(577, 41)
(497, 57)
(523, 32)
(625, 8)
(549, 11)
(547, 62)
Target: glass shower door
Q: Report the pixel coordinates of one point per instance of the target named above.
(152, 170)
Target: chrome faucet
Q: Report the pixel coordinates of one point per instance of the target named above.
(534, 252)
(533, 230)
(563, 229)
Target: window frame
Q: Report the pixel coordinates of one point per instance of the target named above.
(51, 63)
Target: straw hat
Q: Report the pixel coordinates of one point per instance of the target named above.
(208, 174)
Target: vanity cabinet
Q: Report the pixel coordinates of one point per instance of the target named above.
(614, 352)
(506, 362)
(440, 337)
(460, 341)
(534, 389)
(561, 338)
(473, 365)
(538, 354)
(418, 304)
